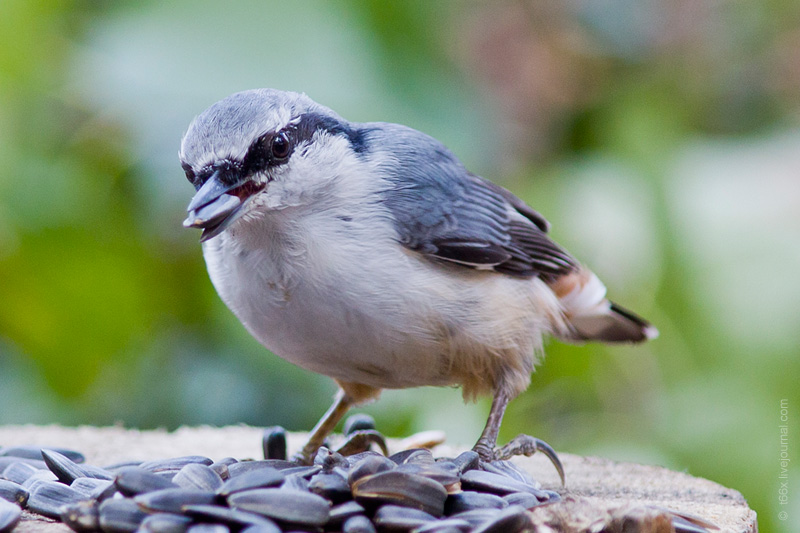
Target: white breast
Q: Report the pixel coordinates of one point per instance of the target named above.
(334, 292)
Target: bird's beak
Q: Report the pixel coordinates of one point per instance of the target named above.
(217, 205)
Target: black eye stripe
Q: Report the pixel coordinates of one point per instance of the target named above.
(311, 123)
(187, 169)
(265, 153)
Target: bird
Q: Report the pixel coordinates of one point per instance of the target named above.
(368, 253)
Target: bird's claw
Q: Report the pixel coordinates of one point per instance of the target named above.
(361, 441)
(527, 446)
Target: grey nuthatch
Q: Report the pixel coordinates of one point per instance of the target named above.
(368, 253)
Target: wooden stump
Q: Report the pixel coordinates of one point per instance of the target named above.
(600, 495)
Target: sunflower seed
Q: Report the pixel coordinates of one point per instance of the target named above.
(340, 513)
(329, 460)
(477, 517)
(9, 516)
(358, 422)
(420, 456)
(221, 469)
(483, 481)
(512, 519)
(399, 488)
(68, 471)
(680, 517)
(445, 473)
(97, 472)
(5, 462)
(509, 469)
(547, 496)
(167, 474)
(394, 518)
(197, 476)
(358, 524)
(116, 467)
(331, 486)
(286, 505)
(447, 525)
(261, 528)
(94, 489)
(120, 516)
(361, 441)
(18, 472)
(681, 525)
(469, 500)
(523, 499)
(467, 461)
(35, 452)
(225, 515)
(165, 523)
(87, 485)
(133, 480)
(49, 496)
(209, 528)
(306, 472)
(242, 467)
(173, 500)
(273, 443)
(39, 477)
(415, 455)
(81, 516)
(296, 483)
(356, 457)
(404, 492)
(255, 479)
(13, 492)
(371, 464)
(174, 464)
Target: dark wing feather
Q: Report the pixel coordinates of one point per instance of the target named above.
(444, 212)
(476, 254)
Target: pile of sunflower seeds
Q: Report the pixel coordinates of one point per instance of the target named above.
(361, 493)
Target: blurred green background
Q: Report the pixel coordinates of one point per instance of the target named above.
(661, 139)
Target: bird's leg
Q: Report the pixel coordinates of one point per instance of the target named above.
(485, 445)
(341, 404)
(520, 445)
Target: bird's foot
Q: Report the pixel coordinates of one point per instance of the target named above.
(527, 446)
(357, 442)
(484, 451)
(302, 459)
(360, 435)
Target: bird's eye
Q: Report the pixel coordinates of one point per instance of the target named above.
(281, 147)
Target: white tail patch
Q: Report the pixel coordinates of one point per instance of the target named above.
(591, 316)
(587, 295)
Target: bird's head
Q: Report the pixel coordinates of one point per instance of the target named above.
(261, 149)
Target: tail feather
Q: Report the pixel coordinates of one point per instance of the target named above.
(590, 316)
